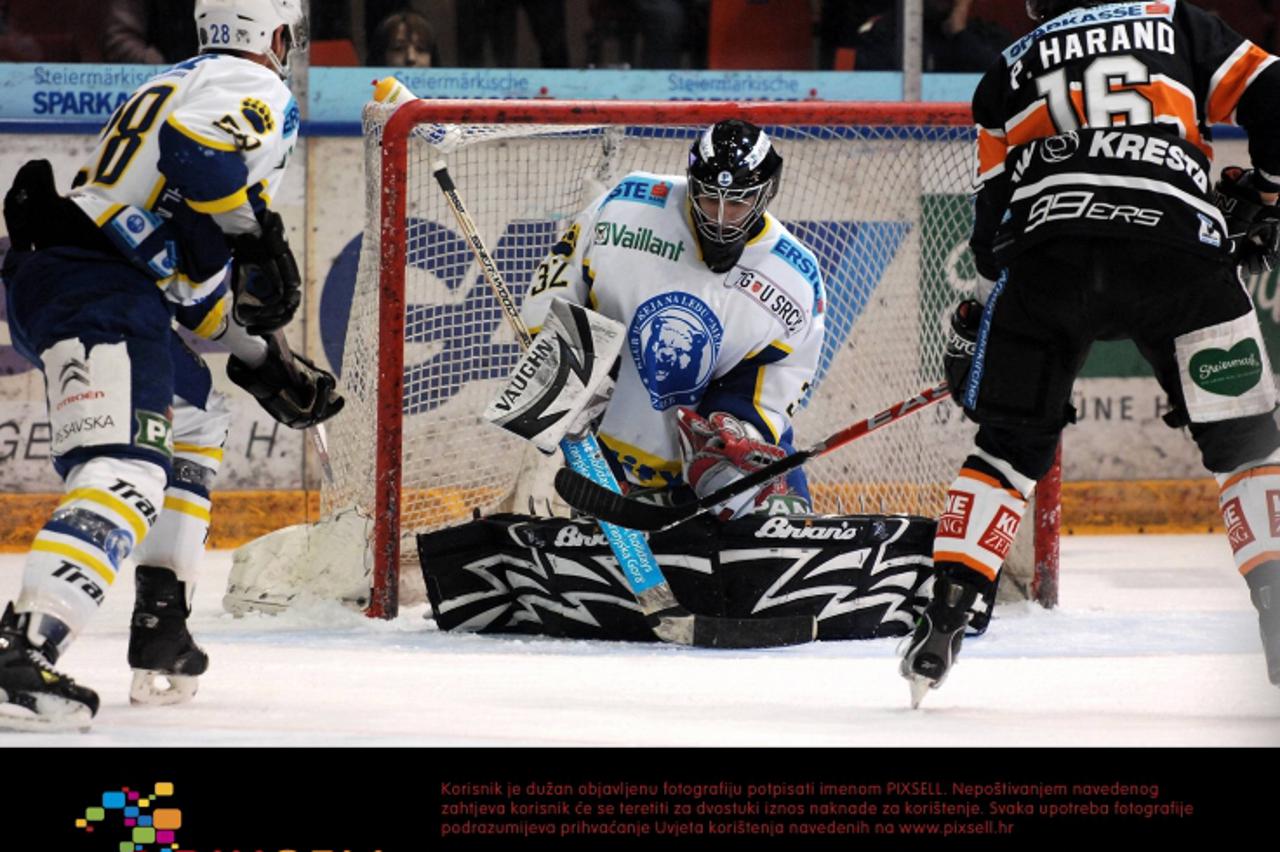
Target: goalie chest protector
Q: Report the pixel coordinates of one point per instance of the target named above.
(859, 575)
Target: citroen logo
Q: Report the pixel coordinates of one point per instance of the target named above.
(74, 371)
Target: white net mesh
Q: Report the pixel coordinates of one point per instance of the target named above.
(883, 208)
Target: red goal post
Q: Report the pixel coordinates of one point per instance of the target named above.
(876, 189)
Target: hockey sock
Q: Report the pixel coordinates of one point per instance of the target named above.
(109, 507)
(177, 542)
(984, 508)
(1249, 499)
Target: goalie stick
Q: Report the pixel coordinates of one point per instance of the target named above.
(671, 622)
(609, 506)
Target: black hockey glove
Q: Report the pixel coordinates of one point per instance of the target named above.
(298, 402)
(1252, 223)
(268, 288)
(38, 217)
(957, 357)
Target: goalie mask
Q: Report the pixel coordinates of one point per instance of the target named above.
(734, 172)
(250, 25)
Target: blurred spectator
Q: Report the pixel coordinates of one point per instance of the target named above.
(375, 12)
(871, 28)
(149, 32)
(494, 21)
(15, 46)
(953, 39)
(668, 30)
(1253, 19)
(662, 28)
(44, 31)
(838, 22)
(329, 19)
(956, 41)
(610, 20)
(404, 39)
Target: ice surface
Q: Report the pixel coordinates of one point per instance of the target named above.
(1155, 644)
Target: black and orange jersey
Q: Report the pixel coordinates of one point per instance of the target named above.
(1164, 71)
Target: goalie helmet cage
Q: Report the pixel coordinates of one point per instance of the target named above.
(878, 192)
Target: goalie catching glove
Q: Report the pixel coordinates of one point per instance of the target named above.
(1253, 221)
(298, 398)
(721, 449)
(268, 288)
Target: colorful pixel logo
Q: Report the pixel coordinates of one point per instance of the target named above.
(137, 817)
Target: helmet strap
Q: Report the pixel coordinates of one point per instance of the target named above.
(281, 68)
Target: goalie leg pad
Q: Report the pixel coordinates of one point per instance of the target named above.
(861, 576)
(564, 381)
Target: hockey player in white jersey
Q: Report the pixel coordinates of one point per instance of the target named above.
(723, 309)
(169, 219)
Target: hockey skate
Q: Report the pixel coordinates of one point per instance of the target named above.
(933, 647)
(1264, 591)
(33, 696)
(166, 661)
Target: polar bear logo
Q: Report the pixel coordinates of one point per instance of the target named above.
(674, 354)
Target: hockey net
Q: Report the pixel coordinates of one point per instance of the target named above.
(879, 193)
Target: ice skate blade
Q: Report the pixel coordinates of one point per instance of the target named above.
(75, 718)
(919, 689)
(157, 688)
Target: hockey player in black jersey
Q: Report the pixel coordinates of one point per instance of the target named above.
(1095, 219)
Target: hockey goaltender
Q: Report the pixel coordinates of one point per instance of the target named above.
(702, 397)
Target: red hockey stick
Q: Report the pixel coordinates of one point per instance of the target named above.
(585, 496)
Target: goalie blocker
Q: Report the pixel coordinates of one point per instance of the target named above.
(564, 380)
(861, 576)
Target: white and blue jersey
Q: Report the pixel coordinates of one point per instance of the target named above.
(745, 342)
(191, 155)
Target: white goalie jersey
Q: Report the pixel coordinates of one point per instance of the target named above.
(746, 341)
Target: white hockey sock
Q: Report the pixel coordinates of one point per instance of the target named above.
(1249, 499)
(177, 541)
(109, 507)
(984, 508)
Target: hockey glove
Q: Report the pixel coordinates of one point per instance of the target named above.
(268, 288)
(38, 217)
(1253, 223)
(299, 402)
(720, 449)
(962, 343)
